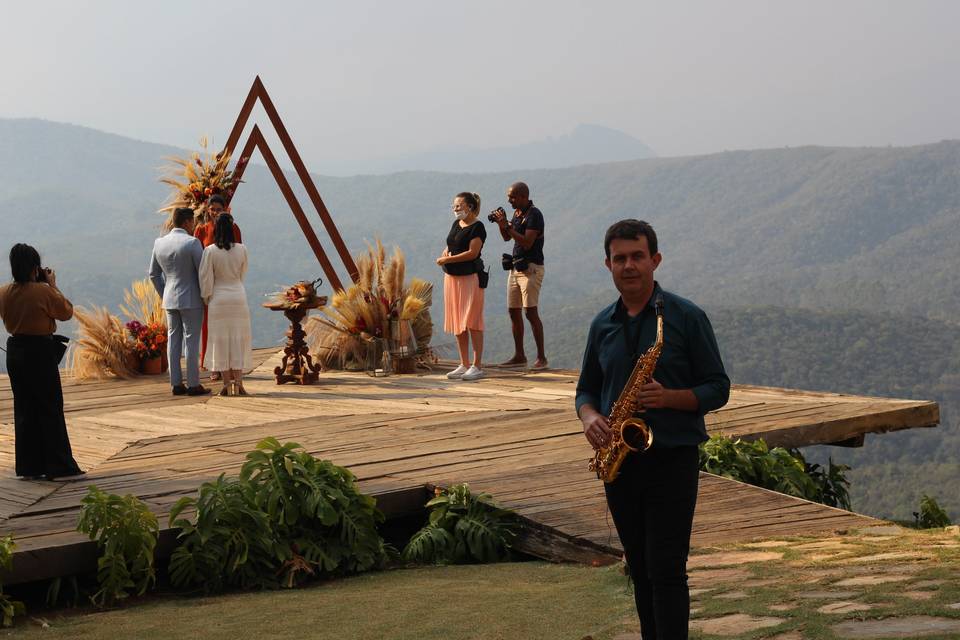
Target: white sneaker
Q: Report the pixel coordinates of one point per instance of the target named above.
(457, 373)
(473, 373)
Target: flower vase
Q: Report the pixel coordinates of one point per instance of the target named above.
(151, 366)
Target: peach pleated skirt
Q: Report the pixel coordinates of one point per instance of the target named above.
(462, 303)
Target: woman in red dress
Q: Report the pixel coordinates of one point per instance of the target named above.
(204, 233)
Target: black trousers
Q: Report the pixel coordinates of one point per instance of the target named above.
(42, 444)
(652, 503)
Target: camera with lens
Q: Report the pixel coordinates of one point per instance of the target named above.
(42, 274)
(509, 261)
(493, 214)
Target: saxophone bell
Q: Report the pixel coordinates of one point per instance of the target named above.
(637, 436)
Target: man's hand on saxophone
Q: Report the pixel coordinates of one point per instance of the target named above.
(595, 426)
(654, 395)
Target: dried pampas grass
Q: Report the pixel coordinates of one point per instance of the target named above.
(369, 309)
(102, 349)
(141, 302)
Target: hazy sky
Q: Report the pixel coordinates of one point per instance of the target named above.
(364, 79)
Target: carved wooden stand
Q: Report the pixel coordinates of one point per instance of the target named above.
(297, 365)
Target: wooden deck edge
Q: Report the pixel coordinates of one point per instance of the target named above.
(923, 415)
(547, 543)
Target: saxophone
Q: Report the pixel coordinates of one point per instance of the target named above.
(627, 432)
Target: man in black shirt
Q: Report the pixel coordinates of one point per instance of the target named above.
(653, 499)
(526, 276)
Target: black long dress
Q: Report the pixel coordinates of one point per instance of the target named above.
(42, 444)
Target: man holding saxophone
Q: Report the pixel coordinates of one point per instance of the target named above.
(653, 493)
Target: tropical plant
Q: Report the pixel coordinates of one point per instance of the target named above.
(8, 608)
(782, 470)
(376, 307)
(229, 542)
(930, 516)
(126, 533)
(102, 347)
(288, 517)
(462, 528)
(832, 484)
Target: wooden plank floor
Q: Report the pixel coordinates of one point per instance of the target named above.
(513, 434)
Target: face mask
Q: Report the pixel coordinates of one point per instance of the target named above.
(461, 215)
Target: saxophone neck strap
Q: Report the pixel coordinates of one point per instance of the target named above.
(631, 343)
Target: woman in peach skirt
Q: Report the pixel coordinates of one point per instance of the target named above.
(462, 294)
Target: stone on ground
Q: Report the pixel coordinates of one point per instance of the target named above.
(908, 627)
(844, 607)
(730, 558)
(734, 624)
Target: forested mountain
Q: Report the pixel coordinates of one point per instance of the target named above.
(823, 268)
(586, 144)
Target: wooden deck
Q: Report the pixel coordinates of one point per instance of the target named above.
(512, 434)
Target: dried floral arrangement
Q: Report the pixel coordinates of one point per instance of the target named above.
(105, 347)
(196, 178)
(373, 308)
(102, 348)
(302, 295)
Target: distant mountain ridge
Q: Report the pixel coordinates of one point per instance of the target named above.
(586, 144)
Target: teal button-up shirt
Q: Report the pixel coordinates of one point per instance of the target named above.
(690, 360)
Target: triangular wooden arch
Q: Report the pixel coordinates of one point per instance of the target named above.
(256, 140)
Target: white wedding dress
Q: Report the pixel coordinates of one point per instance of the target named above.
(228, 316)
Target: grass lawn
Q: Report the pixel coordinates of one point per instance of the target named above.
(517, 600)
(855, 585)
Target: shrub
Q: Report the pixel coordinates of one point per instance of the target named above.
(289, 516)
(778, 469)
(462, 528)
(930, 516)
(8, 608)
(126, 533)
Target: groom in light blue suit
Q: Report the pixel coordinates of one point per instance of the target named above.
(173, 270)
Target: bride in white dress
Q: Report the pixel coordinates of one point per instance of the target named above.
(222, 269)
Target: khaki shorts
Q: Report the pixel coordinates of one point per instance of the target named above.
(523, 287)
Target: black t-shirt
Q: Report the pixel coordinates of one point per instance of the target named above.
(458, 241)
(532, 219)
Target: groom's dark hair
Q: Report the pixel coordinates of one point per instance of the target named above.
(182, 215)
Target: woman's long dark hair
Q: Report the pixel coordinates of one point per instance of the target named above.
(223, 231)
(24, 262)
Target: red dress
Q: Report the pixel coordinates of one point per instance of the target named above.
(204, 233)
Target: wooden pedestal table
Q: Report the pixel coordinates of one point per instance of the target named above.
(297, 365)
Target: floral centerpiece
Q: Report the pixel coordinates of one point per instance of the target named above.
(194, 179)
(302, 295)
(149, 340)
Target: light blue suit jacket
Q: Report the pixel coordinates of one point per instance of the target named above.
(173, 270)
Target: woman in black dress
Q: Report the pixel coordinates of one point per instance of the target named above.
(30, 307)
